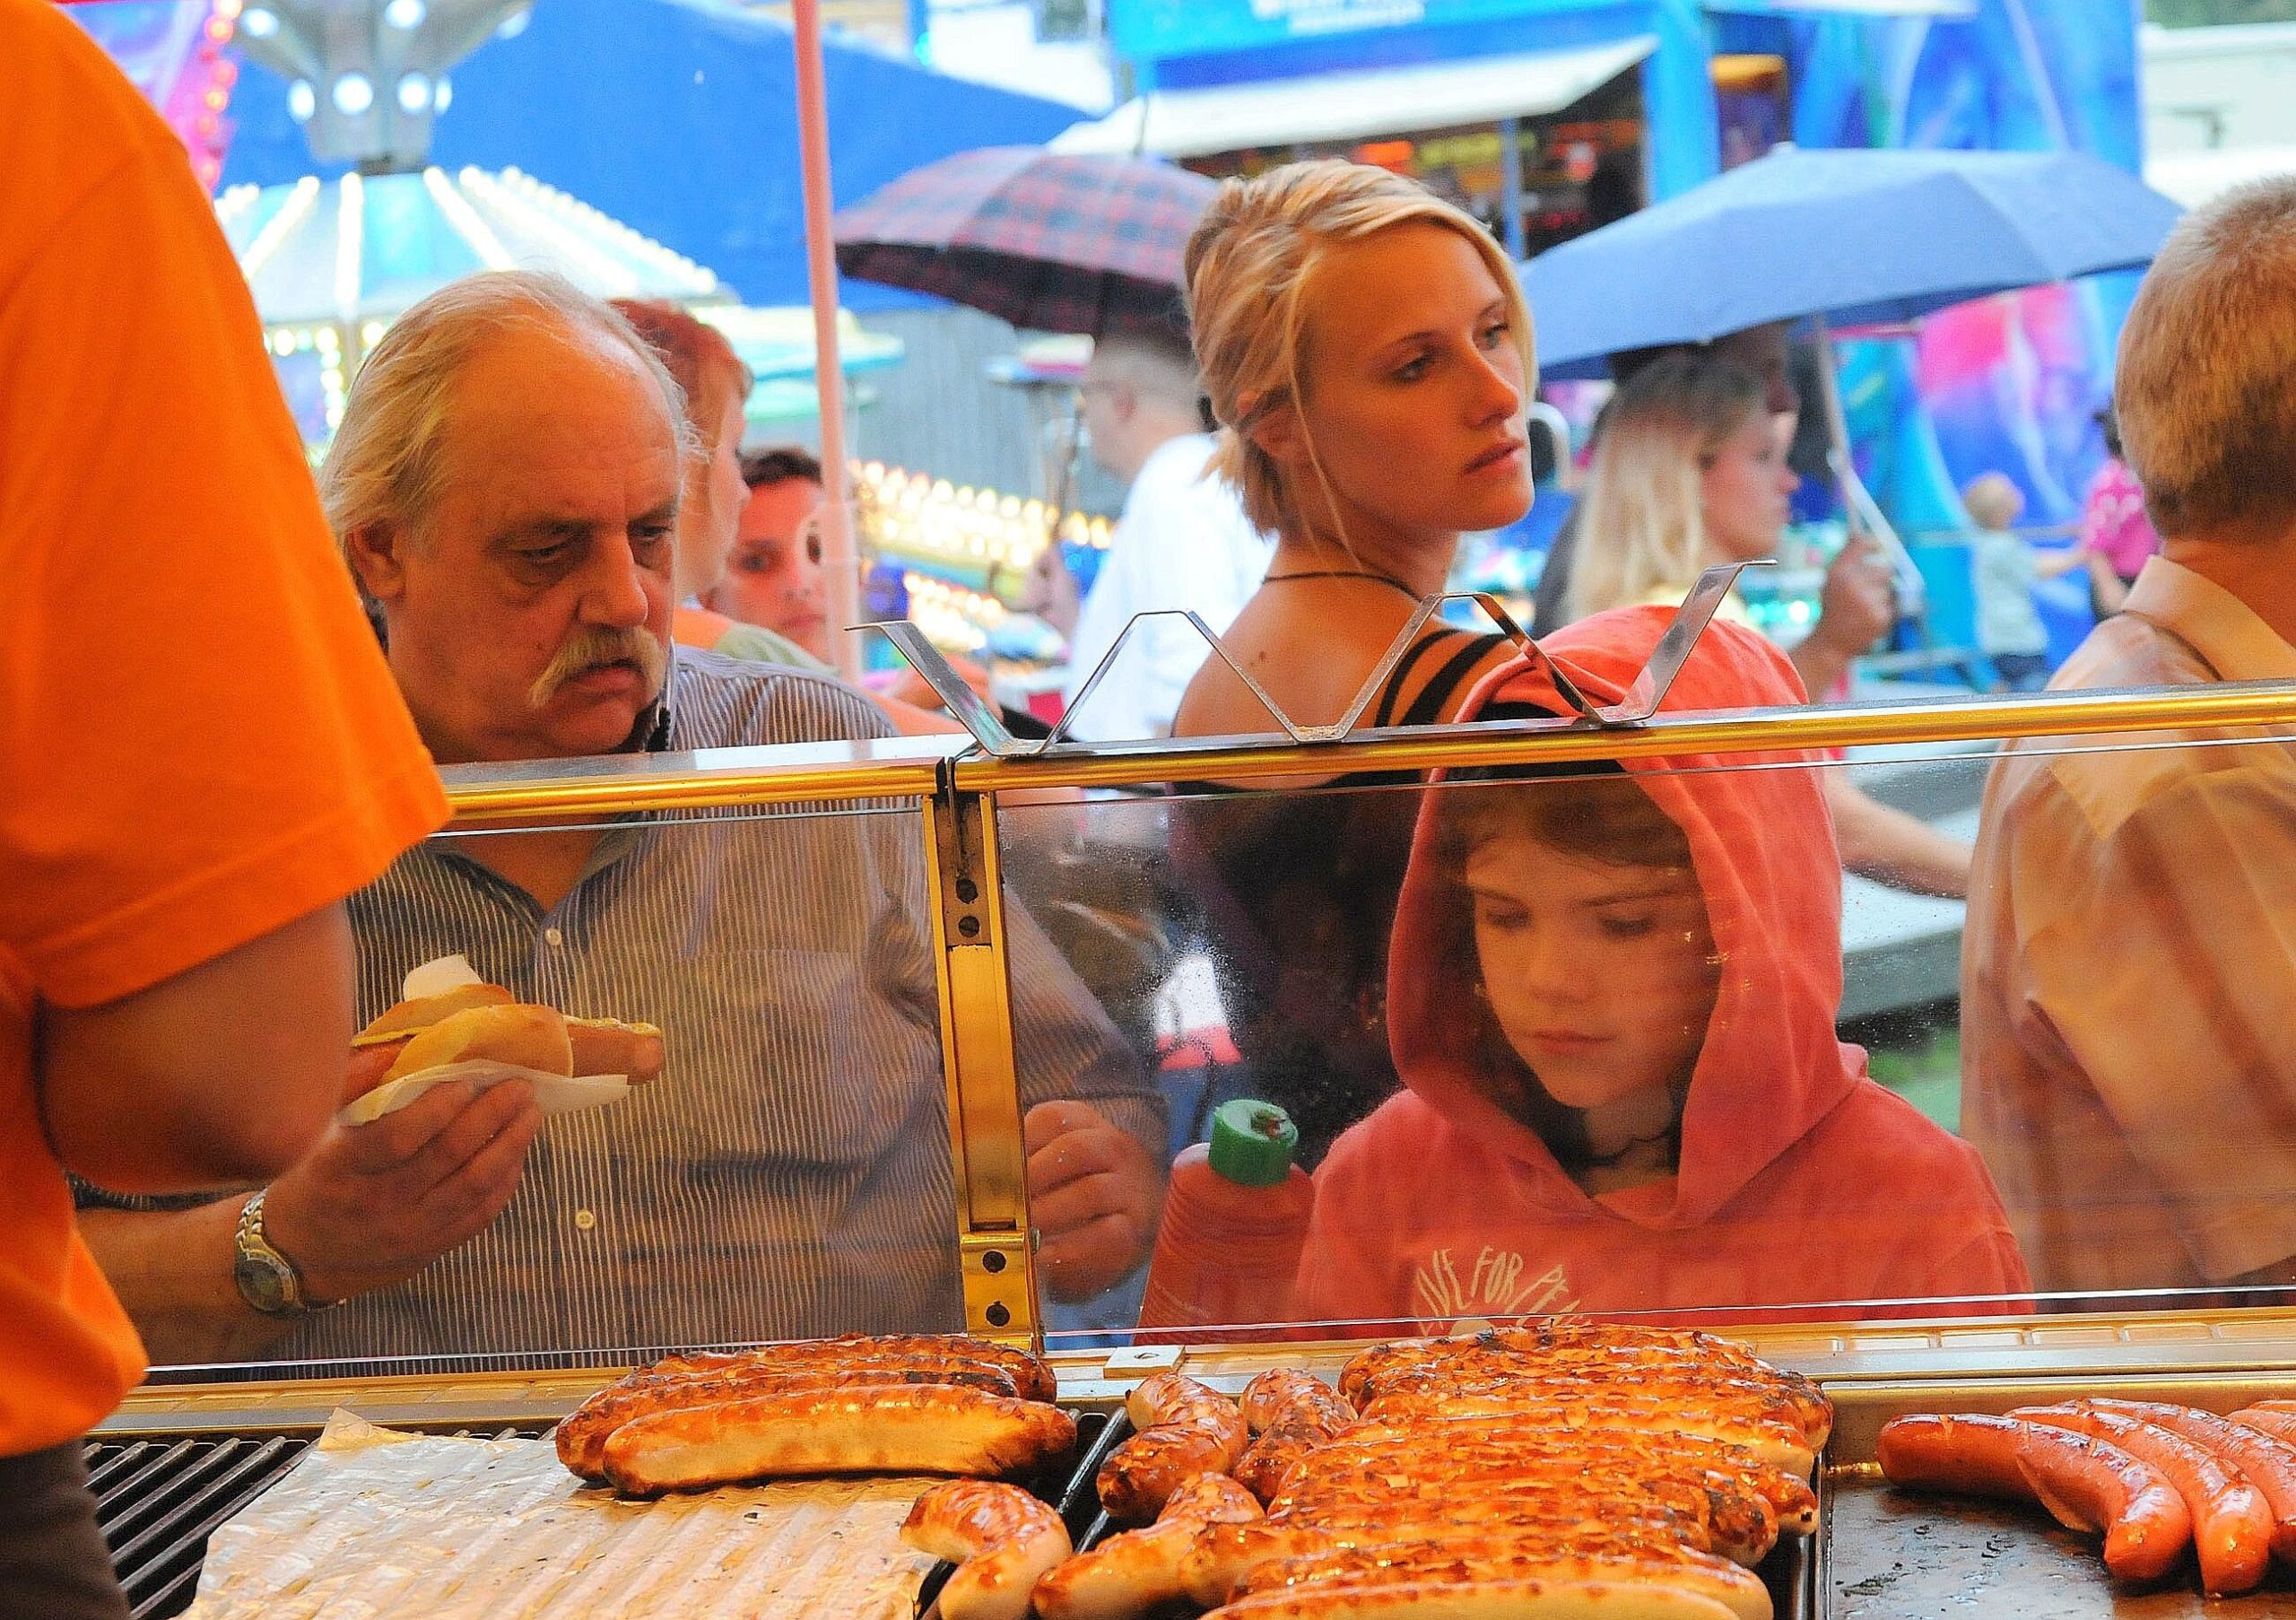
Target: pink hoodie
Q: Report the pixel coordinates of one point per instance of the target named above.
(1802, 1182)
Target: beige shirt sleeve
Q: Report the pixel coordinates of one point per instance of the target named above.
(2163, 954)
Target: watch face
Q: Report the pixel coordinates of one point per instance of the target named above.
(264, 1286)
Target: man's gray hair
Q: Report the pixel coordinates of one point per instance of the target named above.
(386, 464)
(2205, 388)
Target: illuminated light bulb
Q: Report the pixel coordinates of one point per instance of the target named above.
(260, 22)
(282, 342)
(352, 94)
(219, 29)
(442, 95)
(413, 94)
(406, 14)
(303, 101)
(515, 24)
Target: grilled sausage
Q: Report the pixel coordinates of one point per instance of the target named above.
(1783, 1444)
(1002, 1539)
(1467, 1444)
(898, 1429)
(1735, 1520)
(2268, 1462)
(1668, 1373)
(1531, 1382)
(1032, 1378)
(1627, 1562)
(1186, 1429)
(1530, 1599)
(582, 1433)
(2231, 1527)
(1290, 1414)
(1226, 1556)
(1139, 1571)
(2086, 1484)
(1282, 1397)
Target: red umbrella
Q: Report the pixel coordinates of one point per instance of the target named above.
(1049, 241)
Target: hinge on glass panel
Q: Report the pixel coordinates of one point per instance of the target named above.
(997, 1284)
(964, 864)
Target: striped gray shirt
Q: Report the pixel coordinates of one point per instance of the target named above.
(790, 1175)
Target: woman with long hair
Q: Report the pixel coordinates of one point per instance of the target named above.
(1690, 472)
(1367, 353)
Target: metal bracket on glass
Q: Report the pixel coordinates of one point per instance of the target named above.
(1673, 652)
(1649, 691)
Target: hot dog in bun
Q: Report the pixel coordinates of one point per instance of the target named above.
(473, 1021)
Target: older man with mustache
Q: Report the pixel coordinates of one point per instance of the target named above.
(505, 486)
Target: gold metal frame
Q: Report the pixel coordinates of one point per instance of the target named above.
(911, 767)
(988, 1148)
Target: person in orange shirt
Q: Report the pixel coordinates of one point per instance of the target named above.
(201, 754)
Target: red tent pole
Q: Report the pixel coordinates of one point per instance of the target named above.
(840, 559)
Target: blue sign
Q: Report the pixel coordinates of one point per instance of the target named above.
(1150, 31)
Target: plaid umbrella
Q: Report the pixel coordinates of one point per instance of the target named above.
(1049, 241)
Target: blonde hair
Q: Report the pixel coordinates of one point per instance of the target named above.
(2204, 391)
(1248, 265)
(1643, 527)
(386, 464)
(1992, 501)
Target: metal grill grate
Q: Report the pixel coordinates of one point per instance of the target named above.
(158, 1501)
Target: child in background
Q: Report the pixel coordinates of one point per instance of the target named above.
(1611, 999)
(2003, 569)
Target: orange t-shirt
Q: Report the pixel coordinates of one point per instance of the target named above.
(199, 741)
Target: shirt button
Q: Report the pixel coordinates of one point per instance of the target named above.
(553, 937)
(583, 1220)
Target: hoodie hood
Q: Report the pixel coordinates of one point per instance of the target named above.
(1762, 850)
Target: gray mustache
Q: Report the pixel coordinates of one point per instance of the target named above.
(586, 649)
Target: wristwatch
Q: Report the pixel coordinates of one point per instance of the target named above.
(268, 1280)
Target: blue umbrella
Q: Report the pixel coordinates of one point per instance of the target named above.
(1854, 236)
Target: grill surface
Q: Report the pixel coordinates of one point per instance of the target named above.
(158, 1501)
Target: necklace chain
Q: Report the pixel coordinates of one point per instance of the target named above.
(1341, 573)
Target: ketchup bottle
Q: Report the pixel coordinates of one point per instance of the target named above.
(1235, 1219)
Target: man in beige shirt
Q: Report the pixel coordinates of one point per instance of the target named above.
(2128, 974)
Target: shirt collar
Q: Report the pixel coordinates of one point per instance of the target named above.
(2223, 629)
(650, 734)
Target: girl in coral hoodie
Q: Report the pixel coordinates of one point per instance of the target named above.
(1611, 999)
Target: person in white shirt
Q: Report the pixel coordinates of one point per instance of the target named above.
(1183, 540)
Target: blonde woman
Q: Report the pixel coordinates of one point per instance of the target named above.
(1690, 472)
(1367, 353)
(1368, 357)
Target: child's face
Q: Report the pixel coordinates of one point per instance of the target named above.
(1598, 975)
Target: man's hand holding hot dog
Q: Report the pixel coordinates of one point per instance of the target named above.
(374, 1203)
(1094, 1193)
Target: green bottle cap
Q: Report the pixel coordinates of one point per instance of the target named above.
(1252, 1143)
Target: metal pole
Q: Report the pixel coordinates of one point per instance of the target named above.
(841, 562)
(1836, 428)
(1510, 184)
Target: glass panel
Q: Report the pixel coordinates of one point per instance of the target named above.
(1633, 1043)
(786, 1176)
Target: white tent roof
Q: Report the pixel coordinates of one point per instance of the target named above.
(1354, 106)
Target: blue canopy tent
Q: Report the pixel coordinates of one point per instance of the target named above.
(679, 119)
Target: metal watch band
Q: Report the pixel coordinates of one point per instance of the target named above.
(268, 1279)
